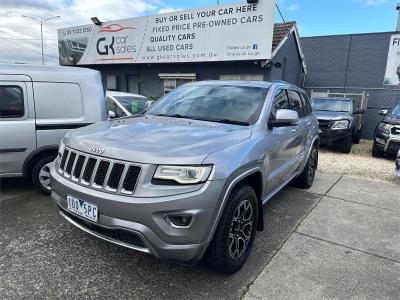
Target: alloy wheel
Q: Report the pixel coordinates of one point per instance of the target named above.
(44, 176)
(240, 229)
(312, 166)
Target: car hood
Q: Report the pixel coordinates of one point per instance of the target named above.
(157, 140)
(392, 120)
(332, 115)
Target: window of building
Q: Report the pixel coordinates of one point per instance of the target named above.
(295, 102)
(245, 77)
(11, 102)
(112, 82)
(172, 80)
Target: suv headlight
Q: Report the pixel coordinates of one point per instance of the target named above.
(183, 174)
(385, 128)
(341, 124)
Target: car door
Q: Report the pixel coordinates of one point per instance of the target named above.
(301, 131)
(281, 156)
(17, 126)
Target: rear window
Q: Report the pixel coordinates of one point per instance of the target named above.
(11, 102)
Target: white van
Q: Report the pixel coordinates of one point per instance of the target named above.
(38, 106)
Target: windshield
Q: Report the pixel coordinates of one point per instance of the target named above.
(331, 105)
(217, 103)
(395, 113)
(134, 105)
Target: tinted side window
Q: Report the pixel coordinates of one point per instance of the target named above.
(112, 106)
(307, 104)
(295, 102)
(11, 102)
(281, 101)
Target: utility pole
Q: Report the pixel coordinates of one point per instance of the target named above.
(41, 22)
(398, 18)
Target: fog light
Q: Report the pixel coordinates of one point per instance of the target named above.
(179, 221)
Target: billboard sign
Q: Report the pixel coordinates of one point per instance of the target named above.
(392, 75)
(238, 31)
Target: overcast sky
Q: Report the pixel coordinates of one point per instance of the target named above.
(20, 37)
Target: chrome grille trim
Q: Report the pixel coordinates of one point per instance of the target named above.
(106, 178)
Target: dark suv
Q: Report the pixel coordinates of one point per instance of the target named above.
(340, 123)
(387, 133)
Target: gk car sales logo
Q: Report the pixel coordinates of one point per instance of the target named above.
(116, 41)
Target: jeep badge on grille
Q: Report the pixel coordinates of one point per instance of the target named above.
(97, 150)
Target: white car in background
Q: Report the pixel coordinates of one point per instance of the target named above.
(121, 104)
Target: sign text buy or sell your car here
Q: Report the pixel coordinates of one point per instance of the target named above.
(221, 33)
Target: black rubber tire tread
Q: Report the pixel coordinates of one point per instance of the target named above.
(346, 145)
(377, 152)
(217, 256)
(304, 180)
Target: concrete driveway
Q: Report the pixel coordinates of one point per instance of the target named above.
(348, 247)
(325, 242)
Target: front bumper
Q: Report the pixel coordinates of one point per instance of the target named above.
(388, 143)
(330, 136)
(139, 223)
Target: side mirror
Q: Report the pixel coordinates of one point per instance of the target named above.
(285, 118)
(383, 112)
(111, 114)
(359, 111)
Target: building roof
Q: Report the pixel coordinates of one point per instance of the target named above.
(280, 32)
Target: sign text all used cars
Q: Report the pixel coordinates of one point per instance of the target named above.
(230, 32)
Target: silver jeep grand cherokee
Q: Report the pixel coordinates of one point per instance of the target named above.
(189, 177)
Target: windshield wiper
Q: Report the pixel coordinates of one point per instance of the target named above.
(226, 121)
(173, 116)
(233, 122)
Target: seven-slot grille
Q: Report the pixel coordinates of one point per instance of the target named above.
(99, 173)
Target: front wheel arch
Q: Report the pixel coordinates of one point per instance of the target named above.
(36, 155)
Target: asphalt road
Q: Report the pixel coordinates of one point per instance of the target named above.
(42, 256)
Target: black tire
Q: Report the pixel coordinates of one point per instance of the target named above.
(36, 174)
(357, 137)
(233, 239)
(346, 144)
(376, 152)
(306, 179)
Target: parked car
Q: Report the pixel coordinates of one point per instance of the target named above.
(121, 104)
(38, 106)
(340, 122)
(398, 164)
(189, 177)
(387, 133)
